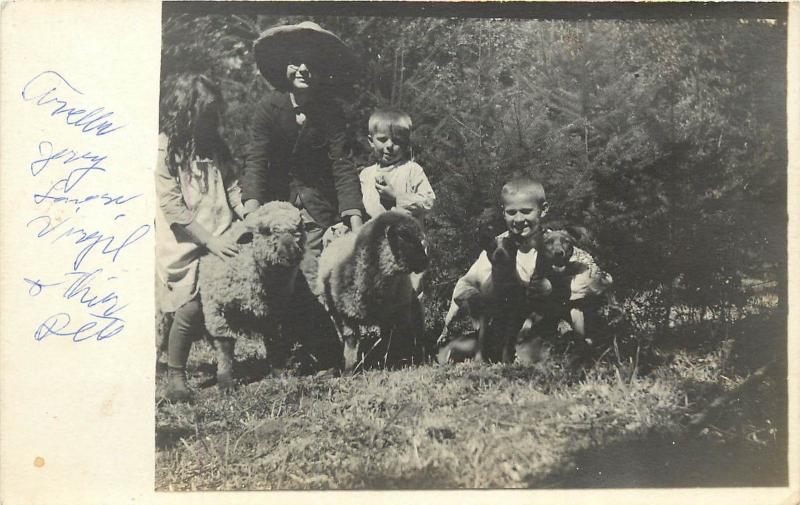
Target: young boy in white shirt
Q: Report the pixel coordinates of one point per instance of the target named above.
(524, 205)
(395, 181)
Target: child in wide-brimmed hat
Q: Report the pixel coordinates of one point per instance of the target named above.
(280, 46)
(298, 146)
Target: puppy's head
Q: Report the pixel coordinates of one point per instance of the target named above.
(502, 252)
(557, 247)
(499, 250)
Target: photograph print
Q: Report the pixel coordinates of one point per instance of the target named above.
(471, 246)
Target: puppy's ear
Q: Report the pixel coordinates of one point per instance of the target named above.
(509, 244)
(488, 244)
(487, 240)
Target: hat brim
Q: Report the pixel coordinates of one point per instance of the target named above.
(332, 63)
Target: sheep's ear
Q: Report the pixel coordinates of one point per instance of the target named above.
(391, 234)
(250, 219)
(396, 235)
(393, 238)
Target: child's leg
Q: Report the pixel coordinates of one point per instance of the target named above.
(587, 328)
(448, 319)
(225, 351)
(483, 324)
(187, 324)
(531, 341)
(578, 321)
(585, 318)
(310, 262)
(306, 317)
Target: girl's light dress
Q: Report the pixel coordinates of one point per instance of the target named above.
(200, 195)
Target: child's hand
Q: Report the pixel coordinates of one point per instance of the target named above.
(385, 191)
(355, 223)
(250, 206)
(223, 247)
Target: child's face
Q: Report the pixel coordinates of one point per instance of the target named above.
(299, 76)
(522, 213)
(388, 147)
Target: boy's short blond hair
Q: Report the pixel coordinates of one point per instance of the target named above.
(526, 185)
(395, 121)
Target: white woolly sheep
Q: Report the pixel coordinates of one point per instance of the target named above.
(248, 295)
(364, 280)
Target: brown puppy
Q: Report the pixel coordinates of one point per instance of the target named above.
(552, 275)
(558, 272)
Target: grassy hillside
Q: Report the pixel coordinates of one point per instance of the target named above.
(467, 426)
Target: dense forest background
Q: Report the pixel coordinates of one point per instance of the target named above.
(666, 139)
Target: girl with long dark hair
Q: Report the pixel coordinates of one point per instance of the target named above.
(198, 199)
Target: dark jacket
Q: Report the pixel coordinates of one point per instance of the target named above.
(307, 165)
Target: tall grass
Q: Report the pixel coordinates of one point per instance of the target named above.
(471, 426)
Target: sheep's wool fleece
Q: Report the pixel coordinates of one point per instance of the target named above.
(360, 282)
(238, 281)
(338, 251)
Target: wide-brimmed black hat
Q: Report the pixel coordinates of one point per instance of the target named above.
(332, 63)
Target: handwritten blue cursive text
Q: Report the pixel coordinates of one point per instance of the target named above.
(103, 308)
(89, 239)
(50, 89)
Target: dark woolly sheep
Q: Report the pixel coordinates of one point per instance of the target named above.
(247, 295)
(364, 280)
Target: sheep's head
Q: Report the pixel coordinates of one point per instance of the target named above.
(277, 233)
(404, 237)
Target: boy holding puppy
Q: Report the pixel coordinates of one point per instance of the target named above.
(524, 205)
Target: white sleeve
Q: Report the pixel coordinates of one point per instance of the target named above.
(420, 197)
(475, 278)
(590, 280)
(369, 195)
